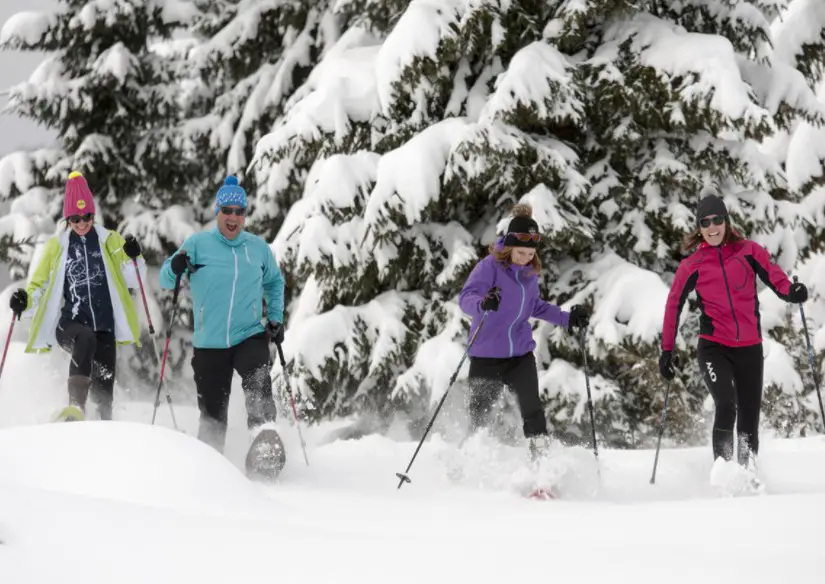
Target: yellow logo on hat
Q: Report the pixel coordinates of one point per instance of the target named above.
(81, 204)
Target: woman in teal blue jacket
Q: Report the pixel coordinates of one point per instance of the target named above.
(235, 271)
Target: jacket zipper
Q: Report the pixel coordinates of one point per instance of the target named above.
(231, 299)
(510, 330)
(727, 289)
(89, 282)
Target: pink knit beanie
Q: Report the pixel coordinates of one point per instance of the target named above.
(78, 200)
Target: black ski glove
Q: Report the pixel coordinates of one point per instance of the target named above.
(491, 300)
(179, 263)
(668, 364)
(276, 332)
(579, 318)
(131, 247)
(798, 293)
(19, 301)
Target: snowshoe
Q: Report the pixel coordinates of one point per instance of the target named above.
(266, 457)
(731, 479)
(70, 414)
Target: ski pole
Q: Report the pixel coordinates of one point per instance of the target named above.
(589, 399)
(166, 349)
(8, 342)
(811, 358)
(404, 476)
(143, 295)
(292, 399)
(662, 425)
(661, 431)
(191, 270)
(154, 345)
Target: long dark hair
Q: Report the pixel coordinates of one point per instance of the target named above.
(693, 238)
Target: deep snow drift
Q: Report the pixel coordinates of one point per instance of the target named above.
(127, 502)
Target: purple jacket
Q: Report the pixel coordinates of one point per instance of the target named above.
(507, 331)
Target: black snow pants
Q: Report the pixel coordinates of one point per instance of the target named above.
(92, 367)
(487, 378)
(734, 377)
(213, 370)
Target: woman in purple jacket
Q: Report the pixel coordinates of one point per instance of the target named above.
(505, 283)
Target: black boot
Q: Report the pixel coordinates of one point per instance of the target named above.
(79, 391)
(212, 432)
(104, 400)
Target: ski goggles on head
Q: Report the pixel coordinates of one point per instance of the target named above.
(75, 219)
(705, 222)
(525, 236)
(239, 211)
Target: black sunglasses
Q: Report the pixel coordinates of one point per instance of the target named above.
(78, 218)
(240, 212)
(706, 221)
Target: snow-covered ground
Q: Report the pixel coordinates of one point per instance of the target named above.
(127, 502)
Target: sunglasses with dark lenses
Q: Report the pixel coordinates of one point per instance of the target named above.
(78, 218)
(526, 236)
(706, 221)
(240, 212)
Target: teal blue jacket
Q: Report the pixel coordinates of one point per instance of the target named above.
(233, 277)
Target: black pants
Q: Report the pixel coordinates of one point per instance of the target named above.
(734, 377)
(213, 377)
(94, 355)
(488, 377)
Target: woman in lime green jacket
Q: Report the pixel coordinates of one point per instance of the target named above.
(80, 295)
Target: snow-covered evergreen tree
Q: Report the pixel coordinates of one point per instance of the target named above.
(407, 146)
(249, 57)
(108, 89)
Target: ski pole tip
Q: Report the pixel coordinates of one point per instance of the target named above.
(403, 478)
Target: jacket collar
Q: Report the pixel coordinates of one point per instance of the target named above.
(102, 234)
(229, 242)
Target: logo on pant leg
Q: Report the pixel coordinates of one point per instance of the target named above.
(711, 372)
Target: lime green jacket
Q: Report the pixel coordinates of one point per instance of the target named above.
(45, 289)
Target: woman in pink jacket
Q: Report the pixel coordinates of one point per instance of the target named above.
(722, 270)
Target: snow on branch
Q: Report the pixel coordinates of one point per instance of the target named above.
(26, 30)
(420, 31)
(507, 162)
(359, 347)
(554, 218)
(117, 61)
(47, 86)
(409, 178)
(538, 84)
(436, 360)
(341, 90)
(19, 170)
(702, 68)
(783, 90)
(323, 228)
(806, 158)
(628, 301)
(156, 231)
(799, 37)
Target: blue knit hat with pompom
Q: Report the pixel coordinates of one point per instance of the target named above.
(230, 194)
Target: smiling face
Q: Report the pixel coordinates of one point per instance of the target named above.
(230, 224)
(713, 229)
(81, 224)
(522, 255)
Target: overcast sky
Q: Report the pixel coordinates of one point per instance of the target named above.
(16, 133)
